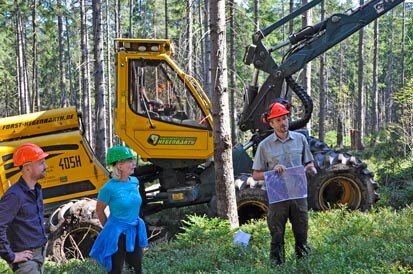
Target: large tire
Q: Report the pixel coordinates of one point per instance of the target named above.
(342, 180)
(252, 203)
(73, 241)
(73, 228)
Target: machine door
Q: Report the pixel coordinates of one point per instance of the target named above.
(162, 113)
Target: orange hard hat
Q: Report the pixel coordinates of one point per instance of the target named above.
(276, 110)
(28, 153)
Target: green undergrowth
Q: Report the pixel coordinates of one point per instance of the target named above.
(379, 241)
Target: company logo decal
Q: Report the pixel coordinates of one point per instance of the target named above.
(38, 122)
(155, 140)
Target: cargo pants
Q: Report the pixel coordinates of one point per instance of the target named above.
(33, 266)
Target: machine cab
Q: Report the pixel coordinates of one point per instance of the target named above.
(160, 111)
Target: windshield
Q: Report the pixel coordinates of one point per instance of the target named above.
(157, 91)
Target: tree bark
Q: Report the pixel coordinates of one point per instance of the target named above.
(306, 21)
(72, 93)
(375, 91)
(166, 19)
(257, 14)
(100, 132)
(224, 178)
(388, 81)
(232, 71)
(62, 72)
(35, 69)
(21, 73)
(403, 45)
(207, 54)
(108, 106)
(341, 102)
(85, 73)
(361, 114)
(117, 18)
(189, 38)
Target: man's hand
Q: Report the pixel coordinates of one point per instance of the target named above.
(310, 169)
(279, 168)
(23, 256)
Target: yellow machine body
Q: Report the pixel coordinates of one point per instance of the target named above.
(73, 171)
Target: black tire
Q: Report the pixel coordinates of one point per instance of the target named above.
(342, 180)
(72, 241)
(75, 228)
(57, 218)
(252, 203)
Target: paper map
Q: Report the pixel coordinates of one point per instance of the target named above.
(289, 185)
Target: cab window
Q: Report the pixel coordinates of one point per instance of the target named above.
(156, 91)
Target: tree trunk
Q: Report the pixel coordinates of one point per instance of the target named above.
(166, 19)
(232, 69)
(21, 74)
(100, 132)
(35, 69)
(323, 85)
(207, 54)
(109, 120)
(63, 99)
(189, 35)
(72, 93)
(375, 92)
(117, 18)
(306, 21)
(403, 44)
(224, 178)
(361, 117)
(85, 73)
(130, 18)
(341, 103)
(257, 14)
(388, 99)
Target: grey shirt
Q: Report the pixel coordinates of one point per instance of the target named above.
(294, 151)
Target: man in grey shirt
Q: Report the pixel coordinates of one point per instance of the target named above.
(279, 151)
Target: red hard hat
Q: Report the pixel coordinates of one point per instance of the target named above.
(276, 110)
(28, 153)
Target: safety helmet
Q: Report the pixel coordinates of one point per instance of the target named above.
(275, 110)
(27, 153)
(118, 153)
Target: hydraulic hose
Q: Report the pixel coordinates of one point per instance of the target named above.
(306, 101)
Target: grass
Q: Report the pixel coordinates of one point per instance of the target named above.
(377, 242)
(380, 241)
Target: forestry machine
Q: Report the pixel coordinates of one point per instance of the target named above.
(165, 117)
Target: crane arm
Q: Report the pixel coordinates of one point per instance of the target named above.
(307, 44)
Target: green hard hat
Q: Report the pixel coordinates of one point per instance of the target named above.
(118, 153)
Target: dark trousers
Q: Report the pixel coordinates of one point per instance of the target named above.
(278, 213)
(132, 259)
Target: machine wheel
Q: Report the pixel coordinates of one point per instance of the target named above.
(57, 218)
(342, 180)
(252, 203)
(72, 242)
(73, 228)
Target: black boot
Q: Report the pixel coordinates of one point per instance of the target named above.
(277, 254)
(302, 250)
